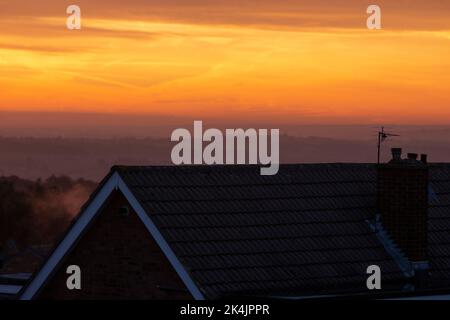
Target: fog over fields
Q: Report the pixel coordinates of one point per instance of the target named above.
(39, 145)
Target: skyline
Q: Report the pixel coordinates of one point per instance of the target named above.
(290, 62)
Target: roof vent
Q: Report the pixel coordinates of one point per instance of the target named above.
(124, 211)
(396, 154)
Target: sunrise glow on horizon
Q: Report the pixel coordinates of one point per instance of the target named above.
(294, 61)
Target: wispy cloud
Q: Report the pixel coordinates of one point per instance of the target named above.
(227, 58)
(410, 14)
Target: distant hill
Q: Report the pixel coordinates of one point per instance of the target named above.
(91, 158)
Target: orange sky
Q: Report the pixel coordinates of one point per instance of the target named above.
(230, 59)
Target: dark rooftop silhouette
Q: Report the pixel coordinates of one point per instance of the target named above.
(306, 231)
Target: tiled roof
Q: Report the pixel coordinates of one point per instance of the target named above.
(439, 223)
(303, 230)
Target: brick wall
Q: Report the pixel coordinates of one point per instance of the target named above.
(119, 260)
(403, 202)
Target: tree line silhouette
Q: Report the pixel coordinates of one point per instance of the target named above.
(37, 212)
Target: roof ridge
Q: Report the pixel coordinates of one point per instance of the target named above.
(236, 166)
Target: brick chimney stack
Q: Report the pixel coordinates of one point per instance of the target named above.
(403, 202)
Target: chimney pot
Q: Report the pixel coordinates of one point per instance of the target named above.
(412, 156)
(396, 154)
(424, 158)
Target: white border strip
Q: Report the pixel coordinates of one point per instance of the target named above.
(154, 231)
(114, 182)
(443, 297)
(70, 238)
(9, 289)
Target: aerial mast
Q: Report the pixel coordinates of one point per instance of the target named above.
(382, 135)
